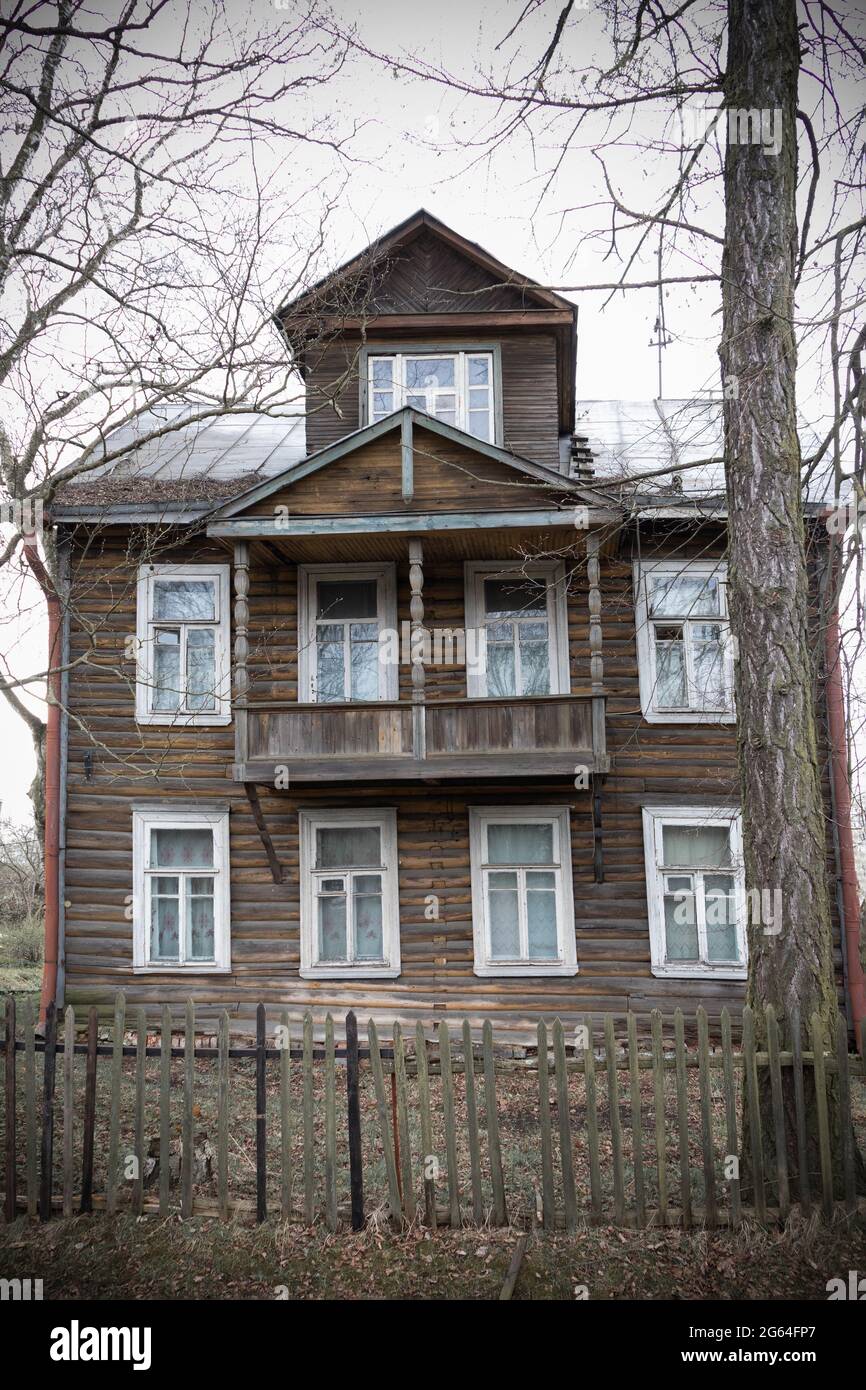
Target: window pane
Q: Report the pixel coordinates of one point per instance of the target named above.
(164, 919)
(181, 848)
(479, 371)
(708, 665)
(367, 904)
(684, 596)
(429, 372)
(519, 844)
(534, 665)
(166, 670)
(332, 928)
(346, 598)
(364, 638)
(200, 668)
(383, 403)
(381, 373)
(200, 918)
(670, 691)
(330, 669)
(681, 930)
(504, 918)
(348, 847)
(704, 846)
(501, 678)
(517, 597)
(184, 598)
(479, 400)
(541, 915)
(479, 424)
(721, 917)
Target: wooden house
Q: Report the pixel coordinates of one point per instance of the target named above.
(419, 704)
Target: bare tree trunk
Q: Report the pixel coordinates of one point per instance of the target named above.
(790, 961)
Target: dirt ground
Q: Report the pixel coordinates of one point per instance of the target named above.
(124, 1258)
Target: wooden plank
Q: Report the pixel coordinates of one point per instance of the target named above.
(68, 1108)
(11, 1188)
(513, 1269)
(707, 1147)
(285, 1117)
(803, 1185)
(547, 1189)
(683, 1119)
(408, 1183)
(353, 1108)
(818, 1045)
(49, 1059)
(223, 1117)
(140, 1077)
(756, 1146)
(330, 1127)
(615, 1119)
(563, 1106)
(261, 1116)
(31, 1131)
(384, 1123)
(429, 1161)
(592, 1128)
(636, 1126)
(472, 1125)
(732, 1158)
(845, 1117)
(309, 1123)
(491, 1117)
(114, 1105)
(659, 1107)
(187, 1160)
(450, 1124)
(164, 1111)
(779, 1137)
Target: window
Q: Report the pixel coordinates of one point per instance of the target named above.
(349, 901)
(684, 651)
(454, 387)
(342, 612)
(181, 901)
(522, 904)
(183, 640)
(522, 616)
(695, 891)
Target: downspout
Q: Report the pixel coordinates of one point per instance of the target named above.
(52, 780)
(844, 834)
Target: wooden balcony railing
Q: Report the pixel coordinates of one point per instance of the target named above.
(400, 741)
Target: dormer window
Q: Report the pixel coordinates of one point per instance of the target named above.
(454, 387)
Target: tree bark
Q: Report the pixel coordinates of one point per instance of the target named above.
(790, 960)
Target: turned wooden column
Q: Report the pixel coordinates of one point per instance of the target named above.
(416, 646)
(241, 679)
(596, 661)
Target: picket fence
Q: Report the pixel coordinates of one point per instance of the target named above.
(470, 1133)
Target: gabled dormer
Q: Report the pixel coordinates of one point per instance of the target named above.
(426, 319)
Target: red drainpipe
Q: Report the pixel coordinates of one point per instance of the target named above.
(845, 836)
(52, 782)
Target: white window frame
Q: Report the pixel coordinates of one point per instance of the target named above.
(461, 379)
(145, 623)
(654, 818)
(386, 616)
(694, 713)
(474, 574)
(560, 818)
(385, 820)
(149, 816)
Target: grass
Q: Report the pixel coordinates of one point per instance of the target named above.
(102, 1258)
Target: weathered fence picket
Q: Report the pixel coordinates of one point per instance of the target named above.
(715, 1090)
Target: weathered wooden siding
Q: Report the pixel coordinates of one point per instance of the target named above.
(529, 392)
(685, 763)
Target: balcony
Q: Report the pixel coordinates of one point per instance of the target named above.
(442, 740)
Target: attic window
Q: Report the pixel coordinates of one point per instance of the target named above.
(454, 387)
